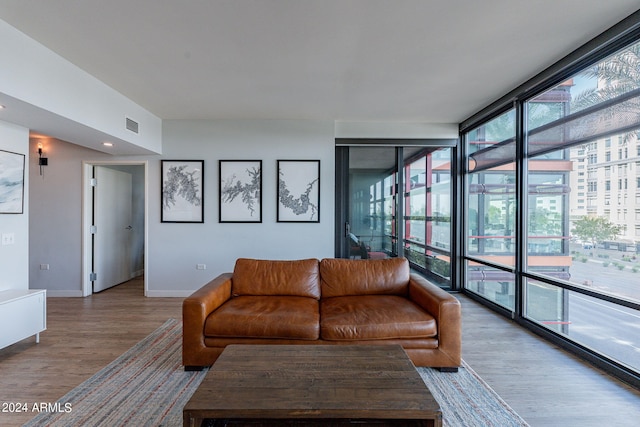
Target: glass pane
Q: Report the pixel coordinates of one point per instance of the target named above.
(440, 200)
(493, 284)
(492, 144)
(428, 212)
(491, 211)
(598, 103)
(607, 328)
(437, 264)
(416, 202)
(491, 216)
(548, 219)
(372, 198)
(584, 186)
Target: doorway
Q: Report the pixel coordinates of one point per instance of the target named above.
(103, 210)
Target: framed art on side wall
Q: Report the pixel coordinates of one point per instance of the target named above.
(240, 191)
(182, 191)
(298, 191)
(11, 182)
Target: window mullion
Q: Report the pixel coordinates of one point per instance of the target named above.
(522, 197)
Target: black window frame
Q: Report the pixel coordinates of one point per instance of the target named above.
(617, 37)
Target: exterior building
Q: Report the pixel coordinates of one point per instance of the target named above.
(613, 186)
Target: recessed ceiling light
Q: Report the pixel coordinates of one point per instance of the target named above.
(108, 144)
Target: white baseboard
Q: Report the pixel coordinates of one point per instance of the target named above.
(64, 293)
(169, 294)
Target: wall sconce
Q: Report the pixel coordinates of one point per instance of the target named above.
(42, 161)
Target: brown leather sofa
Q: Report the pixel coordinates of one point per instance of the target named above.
(333, 301)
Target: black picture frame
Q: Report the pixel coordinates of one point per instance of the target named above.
(182, 191)
(240, 191)
(298, 184)
(11, 182)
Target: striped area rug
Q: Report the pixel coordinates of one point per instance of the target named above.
(147, 386)
(466, 400)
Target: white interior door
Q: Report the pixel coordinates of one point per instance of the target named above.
(112, 212)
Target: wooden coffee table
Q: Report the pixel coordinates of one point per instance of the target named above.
(312, 385)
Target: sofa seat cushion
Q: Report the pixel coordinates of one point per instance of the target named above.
(282, 317)
(367, 317)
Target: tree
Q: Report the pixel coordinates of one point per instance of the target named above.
(595, 229)
(543, 222)
(617, 76)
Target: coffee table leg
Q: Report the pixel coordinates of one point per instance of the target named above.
(189, 420)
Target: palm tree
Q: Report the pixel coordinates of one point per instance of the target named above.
(617, 74)
(619, 82)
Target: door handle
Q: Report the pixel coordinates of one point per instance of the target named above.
(129, 228)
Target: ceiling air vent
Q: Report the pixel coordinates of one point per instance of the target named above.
(132, 125)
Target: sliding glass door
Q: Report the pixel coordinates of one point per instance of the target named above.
(396, 201)
(371, 221)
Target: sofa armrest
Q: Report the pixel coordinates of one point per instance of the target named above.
(197, 307)
(445, 308)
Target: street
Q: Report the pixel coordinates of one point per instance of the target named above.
(607, 328)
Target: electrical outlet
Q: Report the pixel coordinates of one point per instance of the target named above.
(8, 239)
(201, 266)
(44, 266)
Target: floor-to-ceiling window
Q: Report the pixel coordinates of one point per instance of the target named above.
(552, 203)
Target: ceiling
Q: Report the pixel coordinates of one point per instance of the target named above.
(435, 61)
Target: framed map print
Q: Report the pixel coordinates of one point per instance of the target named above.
(240, 191)
(182, 191)
(298, 191)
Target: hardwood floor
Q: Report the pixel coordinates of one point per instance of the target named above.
(544, 384)
(83, 335)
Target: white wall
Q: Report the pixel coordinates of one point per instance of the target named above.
(14, 259)
(55, 220)
(175, 249)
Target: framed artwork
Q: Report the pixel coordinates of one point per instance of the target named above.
(240, 191)
(182, 191)
(11, 182)
(298, 191)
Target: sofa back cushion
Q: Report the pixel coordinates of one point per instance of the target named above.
(342, 277)
(284, 278)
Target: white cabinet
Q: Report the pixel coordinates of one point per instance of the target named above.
(23, 313)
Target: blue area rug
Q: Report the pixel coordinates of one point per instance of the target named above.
(147, 386)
